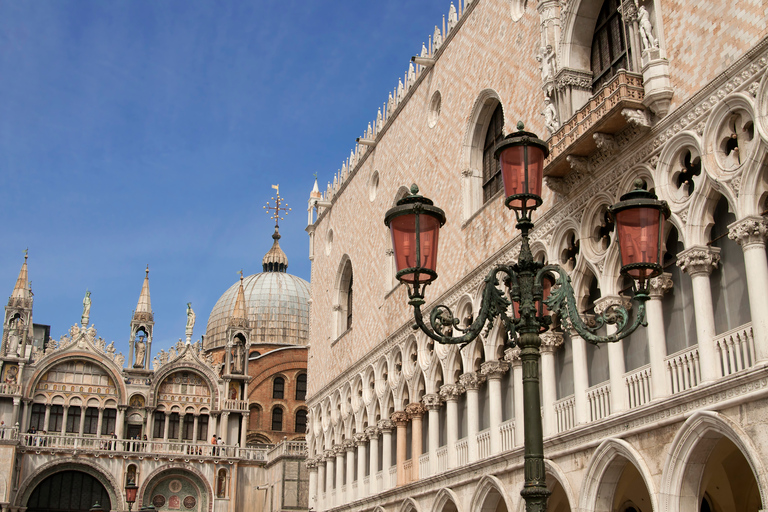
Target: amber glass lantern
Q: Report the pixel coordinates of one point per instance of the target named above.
(639, 218)
(130, 493)
(414, 224)
(521, 155)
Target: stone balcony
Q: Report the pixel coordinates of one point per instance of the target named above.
(608, 112)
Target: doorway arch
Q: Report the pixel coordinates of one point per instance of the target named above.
(70, 491)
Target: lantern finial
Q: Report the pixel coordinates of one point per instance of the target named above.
(520, 126)
(639, 184)
(414, 189)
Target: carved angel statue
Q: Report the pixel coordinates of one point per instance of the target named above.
(190, 319)
(120, 360)
(646, 29)
(86, 308)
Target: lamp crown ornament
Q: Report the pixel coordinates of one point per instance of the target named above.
(531, 291)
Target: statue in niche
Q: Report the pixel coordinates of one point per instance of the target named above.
(190, 320)
(86, 308)
(141, 349)
(550, 116)
(14, 337)
(646, 29)
(237, 358)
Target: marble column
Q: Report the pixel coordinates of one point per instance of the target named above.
(450, 393)
(194, 427)
(698, 262)
(657, 339)
(100, 422)
(321, 483)
(81, 427)
(512, 355)
(120, 421)
(415, 411)
(580, 380)
(550, 341)
(47, 422)
(385, 426)
(16, 409)
(616, 366)
(400, 419)
(471, 382)
(493, 371)
(149, 422)
(349, 456)
(212, 423)
(339, 450)
(373, 466)
(64, 420)
(750, 233)
(330, 459)
(432, 403)
(312, 468)
(26, 415)
(225, 427)
(361, 439)
(244, 429)
(166, 425)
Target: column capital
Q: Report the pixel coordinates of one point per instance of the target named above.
(339, 450)
(415, 410)
(360, 438)
(386, 426)
(451, 392)
(471, 380)
(699, 259)
(372, 432)
(400, 418)
(550, 340)
(312, 464)
(329, 455)
(432, 401)
(749, 231)
(603, 303)
(660, 285)
(349, 445)
(494, 369)
(513, 356)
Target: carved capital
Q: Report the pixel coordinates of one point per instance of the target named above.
(513, 356)
(494, 369)
(451, 392)
(361, 438)
(603, 303)
(605, 142)
(699, 259)
(385, 426)
(749, 231)
(312, 464)
(372, 432)
(432, 401)
(550, 340)
(660, 285)
(329, 455)
(415, 410)
(349, 444)
(400, 418)
(471, 380)
(574, 79)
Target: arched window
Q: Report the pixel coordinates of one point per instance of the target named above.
(301, 421)
(609, 45)
(349, 302)
(221, 484)
(37, 421)
(278, 388)
(301, 387)
(343, 306)
(491, 169)
(677, 303)
(277, 419)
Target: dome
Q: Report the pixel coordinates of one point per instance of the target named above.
(278, 308)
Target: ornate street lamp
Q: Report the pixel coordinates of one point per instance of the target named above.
(130, 493)
(525, 304)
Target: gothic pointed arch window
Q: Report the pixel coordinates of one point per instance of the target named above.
(491, 169)
(343, 304)
(610, 51)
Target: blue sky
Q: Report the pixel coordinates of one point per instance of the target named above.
(150, 132)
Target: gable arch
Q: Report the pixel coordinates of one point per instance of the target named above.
(679, 481)
(604, 470)
(112, 371)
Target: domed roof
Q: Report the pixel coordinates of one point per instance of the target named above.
(277, 305)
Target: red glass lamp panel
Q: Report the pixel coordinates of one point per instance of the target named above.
(130, 493)
(404, 243)
(639, 240)
(513, 172)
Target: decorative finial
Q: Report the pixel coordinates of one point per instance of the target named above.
(26, 253)
(520, 126)
(414, 189)
(279, 206)
(147, 271)
(639, 184)
(241, 274)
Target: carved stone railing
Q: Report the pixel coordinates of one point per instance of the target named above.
(683, 369)
(289, 448)
(484, 444)
(424, 465)
(565, 413)
(7, 388)
(380, 480)
(442, 459)
(392, 477)
(638, 384)
(507, 431)
(235, 405)
(736, 350)
(602, 113)
(599, 399)
(462, 452)
(408, 469)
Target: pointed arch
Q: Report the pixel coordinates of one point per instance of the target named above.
(409, 505)
(443, 498)
(484, 500)
(343, 297)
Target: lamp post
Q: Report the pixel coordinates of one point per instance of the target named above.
(130, 493)
(519, 306)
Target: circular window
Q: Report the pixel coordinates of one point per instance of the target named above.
(434, 109)
(373, 185)
(328, 242)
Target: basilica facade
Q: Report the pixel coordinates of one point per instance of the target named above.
(672, 417)
(212, 425)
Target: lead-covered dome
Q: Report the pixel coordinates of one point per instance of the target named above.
(277, 304)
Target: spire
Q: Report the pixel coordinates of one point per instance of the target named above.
(275, 260)
(144, 307)
(315, 194)
(239, 314)
(21, 290)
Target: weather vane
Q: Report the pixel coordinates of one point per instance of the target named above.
(274, 211)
